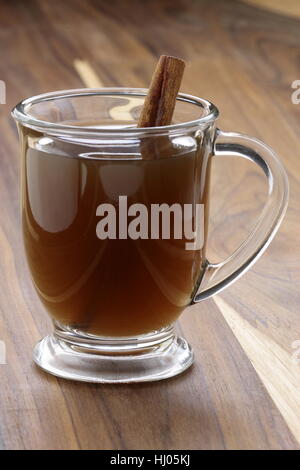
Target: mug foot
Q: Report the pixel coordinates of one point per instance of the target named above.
(89, 358)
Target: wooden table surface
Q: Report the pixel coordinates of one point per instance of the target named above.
(244, 390)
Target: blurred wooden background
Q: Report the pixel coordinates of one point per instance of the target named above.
(244, 390)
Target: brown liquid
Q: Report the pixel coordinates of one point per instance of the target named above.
(107, 287)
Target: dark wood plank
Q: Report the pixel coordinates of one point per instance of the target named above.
(242, 58)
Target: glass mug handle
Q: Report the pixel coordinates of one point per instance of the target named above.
(218, 276)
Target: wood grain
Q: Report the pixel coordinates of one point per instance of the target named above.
(244, 59)
(87, 74)
(271, 362)
(288, 7)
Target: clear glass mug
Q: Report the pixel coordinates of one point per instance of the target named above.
(114, 295)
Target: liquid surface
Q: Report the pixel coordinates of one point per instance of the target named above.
(107, 287)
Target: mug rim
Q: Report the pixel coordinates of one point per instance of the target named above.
(20, 113)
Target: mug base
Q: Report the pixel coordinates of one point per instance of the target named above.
(88, 358)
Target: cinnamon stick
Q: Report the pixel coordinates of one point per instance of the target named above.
(160, 101)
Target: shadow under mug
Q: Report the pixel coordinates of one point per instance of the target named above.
(88, 172)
